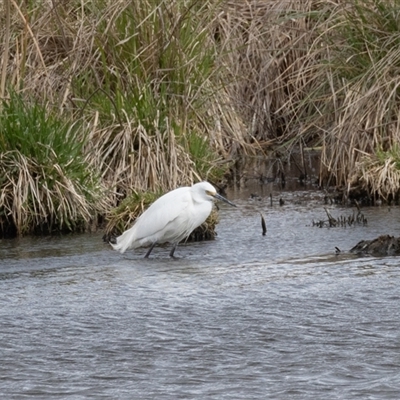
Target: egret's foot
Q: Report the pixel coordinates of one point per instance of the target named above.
(171, 254)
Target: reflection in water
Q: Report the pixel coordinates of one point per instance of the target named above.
(244, 316)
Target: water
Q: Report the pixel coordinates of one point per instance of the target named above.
(243, 317)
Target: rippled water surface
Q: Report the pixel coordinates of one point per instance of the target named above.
(243, 317)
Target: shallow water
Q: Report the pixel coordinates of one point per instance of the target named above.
(245, 316)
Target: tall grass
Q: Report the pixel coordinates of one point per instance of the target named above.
(263, 45)
(352, 102)
(321, 73)
(158, 94)
(144, 77)
(380, 173)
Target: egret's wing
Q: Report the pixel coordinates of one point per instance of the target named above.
(156, 223)
(163, 212)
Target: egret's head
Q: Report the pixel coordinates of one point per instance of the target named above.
(209, 191)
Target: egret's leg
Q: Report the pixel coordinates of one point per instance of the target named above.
(171, 254)
(150, 250)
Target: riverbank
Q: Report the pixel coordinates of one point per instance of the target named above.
(111, 99)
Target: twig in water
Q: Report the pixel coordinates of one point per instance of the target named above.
(263, 225)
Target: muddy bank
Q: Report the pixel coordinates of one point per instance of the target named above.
(384, 245)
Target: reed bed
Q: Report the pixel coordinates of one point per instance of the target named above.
(323, 74)
(352, 105)
(264, 44)
(165, 93)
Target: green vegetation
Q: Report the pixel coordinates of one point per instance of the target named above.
(106, 99)
(46, 184)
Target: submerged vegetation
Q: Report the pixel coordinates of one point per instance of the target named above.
(104, 100)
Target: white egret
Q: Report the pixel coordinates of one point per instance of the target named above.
(171, 218)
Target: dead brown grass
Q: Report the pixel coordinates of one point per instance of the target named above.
(129, 157)
(381, 175)
(263, 45)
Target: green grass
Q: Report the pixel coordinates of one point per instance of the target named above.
(46, 183)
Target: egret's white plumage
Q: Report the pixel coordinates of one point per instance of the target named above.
(171, 218)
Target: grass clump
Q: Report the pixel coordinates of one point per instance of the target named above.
(45, 184)
(322, 74)
(122, 217)
(380, 172)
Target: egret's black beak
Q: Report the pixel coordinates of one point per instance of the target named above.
(222, 198)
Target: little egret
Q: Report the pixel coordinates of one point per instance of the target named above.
(171, 218)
